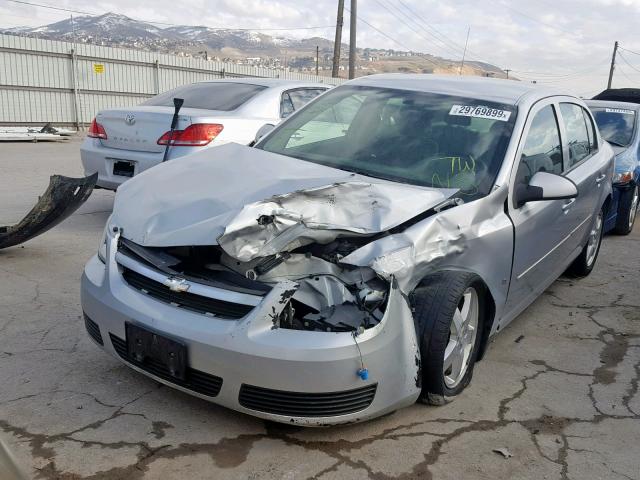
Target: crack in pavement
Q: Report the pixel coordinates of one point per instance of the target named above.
(231, 452)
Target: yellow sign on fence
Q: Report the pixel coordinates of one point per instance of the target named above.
(98, 68)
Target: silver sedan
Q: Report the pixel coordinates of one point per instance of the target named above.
(124, 142)
(360, 257)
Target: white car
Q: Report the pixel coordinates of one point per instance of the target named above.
(123, 142)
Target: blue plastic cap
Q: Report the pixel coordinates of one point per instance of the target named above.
(363, 373)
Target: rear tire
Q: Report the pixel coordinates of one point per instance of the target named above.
(627, 209)
(449, 316)
(583, 265)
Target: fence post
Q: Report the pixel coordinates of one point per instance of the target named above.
(157, 70)
(223, 72)
(74, 79)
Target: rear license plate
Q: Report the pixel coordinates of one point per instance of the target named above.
(123, 168)
(155, 350)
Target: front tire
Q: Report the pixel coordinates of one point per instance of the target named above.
(627, 211)
(583, 265)
(449, 318)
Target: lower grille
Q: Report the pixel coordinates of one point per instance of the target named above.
(189, 301)
(93, 330)
(195, 380)
(301, 404)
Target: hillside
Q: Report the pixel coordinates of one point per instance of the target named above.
(242, 46)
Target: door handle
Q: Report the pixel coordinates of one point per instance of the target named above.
(601, 178)
(568, 204)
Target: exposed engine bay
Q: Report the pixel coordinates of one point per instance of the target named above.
(329, 296)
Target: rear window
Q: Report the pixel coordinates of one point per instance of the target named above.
(210, 96)
(616, 125)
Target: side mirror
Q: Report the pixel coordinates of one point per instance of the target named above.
(545, 186)
(264, 130)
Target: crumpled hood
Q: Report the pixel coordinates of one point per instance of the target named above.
(194, 199)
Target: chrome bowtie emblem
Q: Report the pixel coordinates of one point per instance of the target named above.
(130, 119)
(176, 284)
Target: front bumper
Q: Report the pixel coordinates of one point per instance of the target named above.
(249, 354)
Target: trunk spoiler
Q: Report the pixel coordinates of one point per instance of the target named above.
(63, 197)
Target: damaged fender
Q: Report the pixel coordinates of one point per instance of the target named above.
(63, 197)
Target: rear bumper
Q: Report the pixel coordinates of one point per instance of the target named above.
(257, 364)
(97, 158)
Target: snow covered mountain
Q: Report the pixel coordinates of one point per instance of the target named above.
(113, 28)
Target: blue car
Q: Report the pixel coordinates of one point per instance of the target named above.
(618, 125)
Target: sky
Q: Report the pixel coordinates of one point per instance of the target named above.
(561, 43)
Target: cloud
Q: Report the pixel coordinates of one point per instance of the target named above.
(566, 43)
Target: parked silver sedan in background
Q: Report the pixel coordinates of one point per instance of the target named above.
(124, 142)
(398, 221)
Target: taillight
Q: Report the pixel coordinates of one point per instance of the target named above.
(195, 135)
(96, 130)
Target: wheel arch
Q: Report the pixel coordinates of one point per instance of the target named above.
(489, 306)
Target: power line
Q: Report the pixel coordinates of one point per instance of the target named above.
(473, 56)
(419, 26)
(627, 50)
(389, 37)
(627, 62)
(635, 82)
(93, 14)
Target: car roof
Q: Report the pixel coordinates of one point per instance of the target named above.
(480, 88)
(268, 82)
(611, 104)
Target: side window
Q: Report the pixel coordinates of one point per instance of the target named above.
(286, 106)
(577, 135)
(591, 131)
(542, 150)
(303, 96)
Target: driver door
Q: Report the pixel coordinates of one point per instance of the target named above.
(543, 227)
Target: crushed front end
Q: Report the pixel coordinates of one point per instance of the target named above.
(293, 337)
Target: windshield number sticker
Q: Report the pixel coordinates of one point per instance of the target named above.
(619, 110)
(480, 112)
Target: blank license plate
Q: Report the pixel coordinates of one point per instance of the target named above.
(147, 347)
(123, 168)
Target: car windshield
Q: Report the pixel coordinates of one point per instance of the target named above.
(405, 136)
(616, 125)
(224, 96)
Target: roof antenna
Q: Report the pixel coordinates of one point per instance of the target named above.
(177, 104)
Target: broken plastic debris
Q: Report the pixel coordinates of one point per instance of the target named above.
(503, 451)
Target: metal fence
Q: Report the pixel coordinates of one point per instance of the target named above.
(66, 84)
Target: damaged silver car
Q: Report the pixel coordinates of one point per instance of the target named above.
(360, 256)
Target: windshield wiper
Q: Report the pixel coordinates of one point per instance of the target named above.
(616, 143)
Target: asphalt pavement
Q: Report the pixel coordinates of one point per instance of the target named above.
(556, 396)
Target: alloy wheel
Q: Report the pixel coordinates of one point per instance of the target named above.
(634, 207)
(594, 239)
(462, 338)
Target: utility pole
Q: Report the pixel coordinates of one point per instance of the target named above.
(613, 64)
(338, 41)
(507, 70)
(464, 53)
(352, 38)
(317, 58)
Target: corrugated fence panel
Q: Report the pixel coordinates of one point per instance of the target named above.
(37, 78)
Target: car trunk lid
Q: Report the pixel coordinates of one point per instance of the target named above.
(139, 129)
